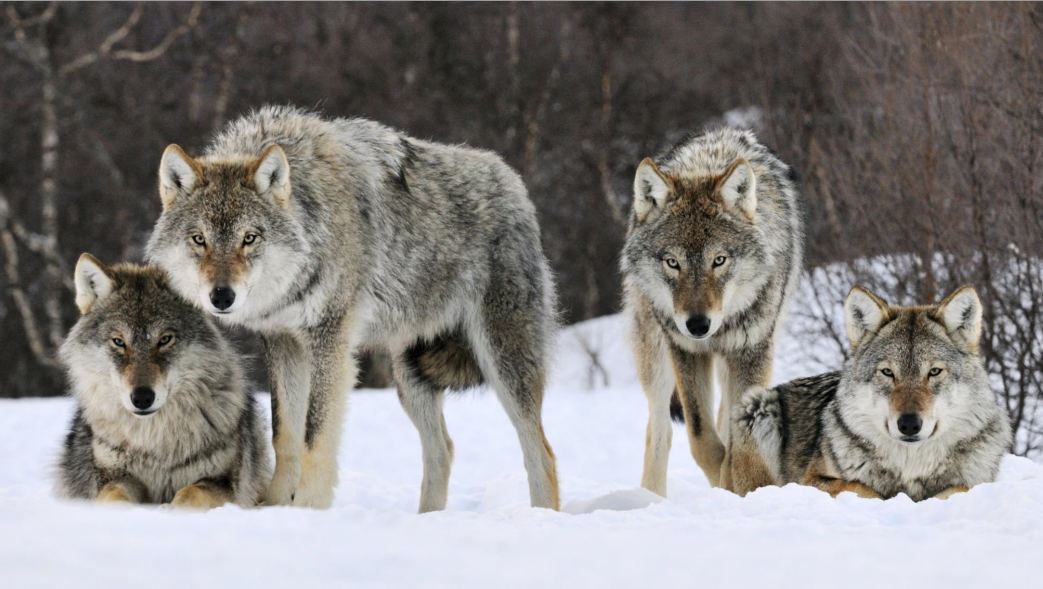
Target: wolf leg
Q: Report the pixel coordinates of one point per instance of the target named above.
(512, 358)
(744, 469)
(952, 491)
(122, 491)
(657, 379)
(694, 376)
(820, 475)
(290, 372)
(202, 495)
(423, 401)
(332, 376)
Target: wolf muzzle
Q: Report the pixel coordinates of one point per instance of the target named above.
(909, 424)
(142, 398)
(222, 297)
(698, 325)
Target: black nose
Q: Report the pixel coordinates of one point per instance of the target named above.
(222, 297)
(698, 325)
(142, 397)
(909, 424)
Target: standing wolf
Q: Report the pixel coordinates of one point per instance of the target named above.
(911, 412)
(331, 236)
(163, 413)
(713, 253)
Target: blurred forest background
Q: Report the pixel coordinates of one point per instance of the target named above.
(916, 130)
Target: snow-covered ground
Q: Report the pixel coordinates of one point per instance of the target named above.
(610, 533)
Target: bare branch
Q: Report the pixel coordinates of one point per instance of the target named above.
(106, 46)
(14, 287)
(105, 50)
(190, 23)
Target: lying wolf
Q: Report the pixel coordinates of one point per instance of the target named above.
(330, 236)
(713, 253)
(163, 413)
(911, 412)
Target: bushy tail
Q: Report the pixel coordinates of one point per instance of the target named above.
(759, 416)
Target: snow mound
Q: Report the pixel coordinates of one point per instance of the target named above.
(626, 500)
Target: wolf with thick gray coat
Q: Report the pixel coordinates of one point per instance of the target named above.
(911, 412)
(163, 414)
(331, 236)
(713, 252)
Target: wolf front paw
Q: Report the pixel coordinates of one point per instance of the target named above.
(315, 498)
(952, 491)
(114, 493)
(284, 485)
(199, 497)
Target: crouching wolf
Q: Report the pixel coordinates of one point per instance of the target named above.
(333, 236)
(713, 252)
(911, 412)
(163, 413)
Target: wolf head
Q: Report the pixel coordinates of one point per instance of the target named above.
(914, 371)
(226, 235)
(695, 246)
(138, 343)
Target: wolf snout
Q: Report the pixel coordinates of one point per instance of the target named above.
(142, 398)
(909, 424)
(698, 325)
(222, 297)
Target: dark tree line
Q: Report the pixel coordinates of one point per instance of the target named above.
(914, 129)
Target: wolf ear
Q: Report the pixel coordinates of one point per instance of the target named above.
(93, 282)
(270, 174)
(652, 190)
(177, 173)
(864, 313)
(739, 188)
(960, 313)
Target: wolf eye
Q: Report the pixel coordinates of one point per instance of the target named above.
(250, 238)
(165, 339)
(719, 261)
(672, 263)
(118, 342)
(198, 239)
(935, 372)
(887, 372)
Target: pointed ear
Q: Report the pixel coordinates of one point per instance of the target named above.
(652, 190)
(178, 173)
(739, 188)
(960, 313)
(93, 282)
(270, 174)
(864, 314)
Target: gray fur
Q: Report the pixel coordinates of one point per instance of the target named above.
(207, 429)
(685, 216)
(839, 427)
(429, 251)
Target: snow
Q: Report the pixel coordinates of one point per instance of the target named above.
(610, 532)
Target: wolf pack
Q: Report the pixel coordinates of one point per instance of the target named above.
(331, 237)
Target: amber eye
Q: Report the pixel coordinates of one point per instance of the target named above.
(935, 372)
(887, 372)
(672, 263)
(166, 339)
(118, 342)
(250, 238)
(198, 239)
(719, 261)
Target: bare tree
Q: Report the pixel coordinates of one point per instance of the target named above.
(34, 46)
